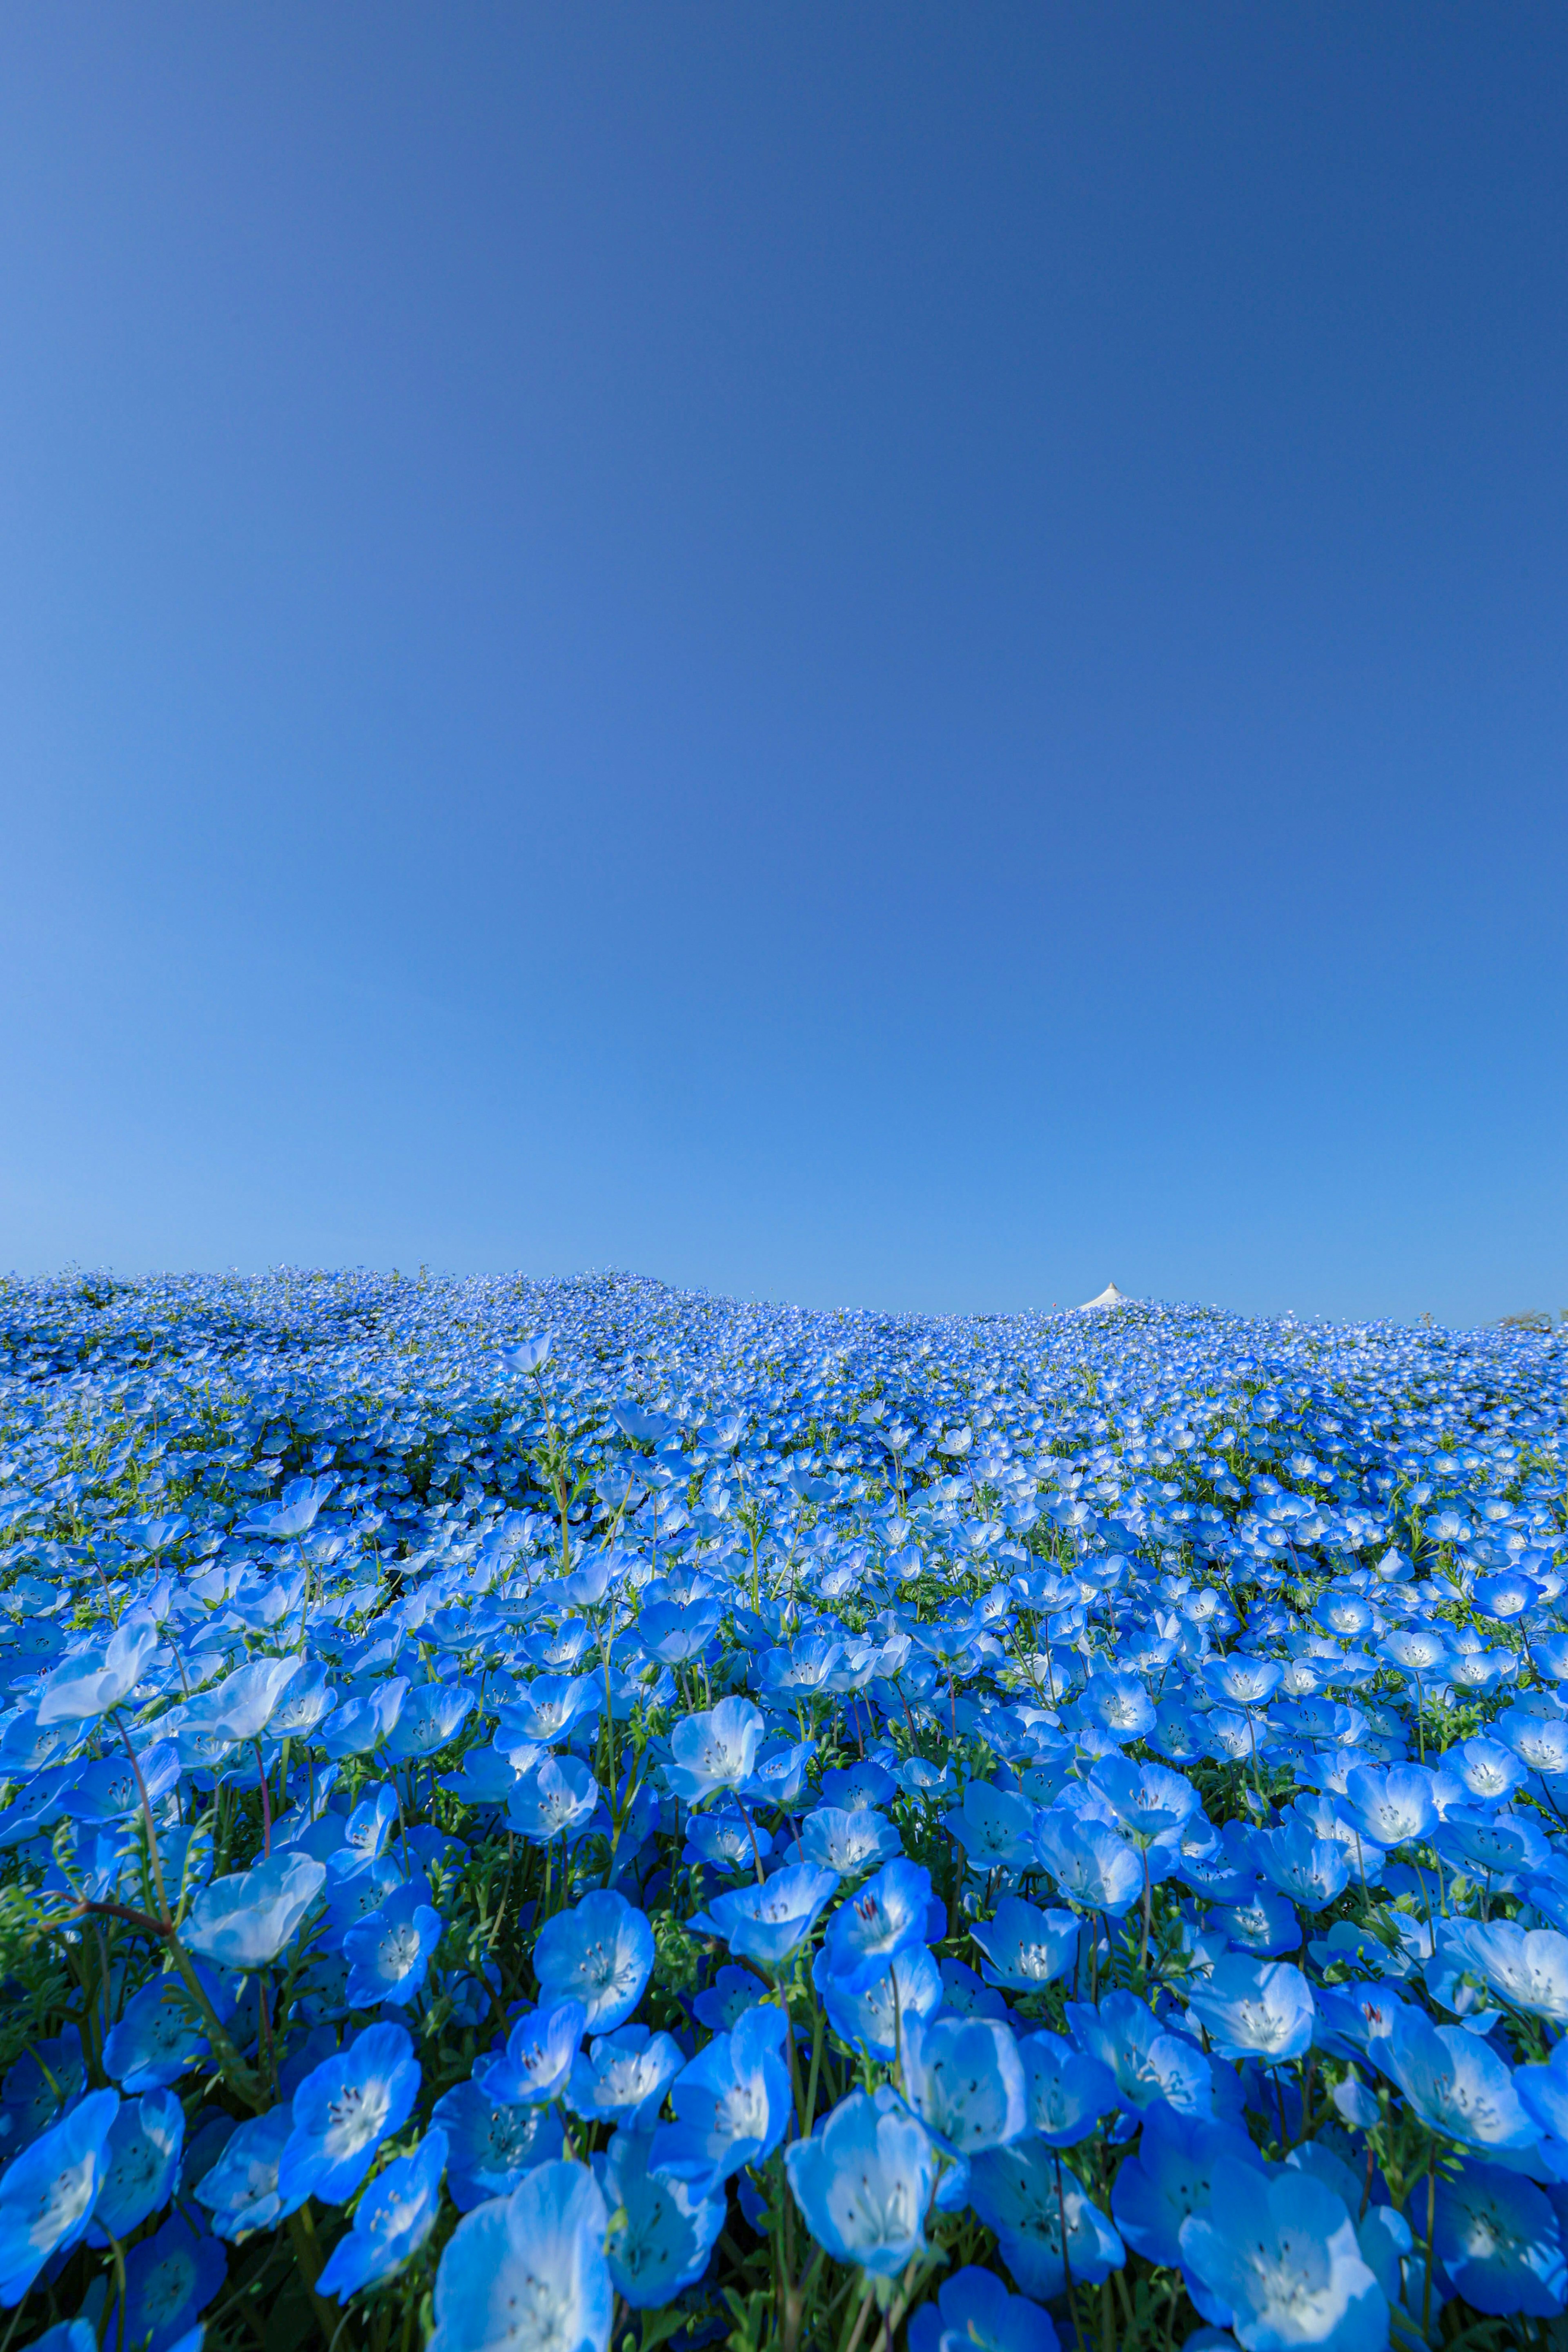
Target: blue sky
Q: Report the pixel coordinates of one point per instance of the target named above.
(897, 656)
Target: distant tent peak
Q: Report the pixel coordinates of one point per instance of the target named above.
(1109, 1296)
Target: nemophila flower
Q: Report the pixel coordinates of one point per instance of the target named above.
(487, 1777)
(600, 1953)
(1313, 1872)
(966, 1995)
(767, 1923)
(863, 2182)
(559, 1796)
(548, 1709)
(357, 1884)
(778, 1776)
(663, 2227)
(241, 2190)
(1500, 2242)
(1455, 2083)
(1528, 1968)
(540, 2053)
(1068, 2090)
(1263, 1923)
(364, 1722)
(1025, 2192)
(1281, 2259)
(964, 2079)
(848, 1843)
(715, 1752)
(1243, 1682)
(623, 2076)
(372, 1821)
(730, 1839)
(109, 1791)
(44, 2085)
(1487, 1845)
(995, 1827)
(1392, 1806)
(1117, 1705)
(1486, 1771)
(430, 1718)
(866, 2021)
(389, 1954)
(141, 2159)
(391, 2222)
(1171, 2176)
(975, 2312)
(492, 2145)
(1146, 2060)
(727, 1999)
(344, 2110)
(1255, 2009)
(1091, 1862)
(245, 1919)
(85, 1686)
(884, 1918)
(66, 2336)
(242, 1706)
(1025, 1948)
(46, 2195)
(732, 2102)
(1149, 1801)
(527, 2271)
(169, 2279)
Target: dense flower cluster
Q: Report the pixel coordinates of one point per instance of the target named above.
(543, 1815)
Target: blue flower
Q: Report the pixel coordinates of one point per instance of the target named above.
(600, 1953)
(1025, 1948)
(140, 2158)
(886, 1917)
(492, 2145)
(1170, 2176)
(241, 2190)
(732, 1993)
(767, 1923)
(623, 2076)
(158, 2038)
(1068, 2090)
(44, 2085)
(1455, 2082)
(169, 2279)
(539, 2056)
(1024, 2192)
(344, 2110)
(732, 2102)
(1146, 2059)
(527, 2271)
(1089, 1861)
(965, 2082)
(389, 1954)
(559, 1795)
(243, 1921)
(1255, 2009)
(430, 1717)
(847, 1842)
(864, 2180)
(1281, 2258)
(975, 2312)
(663, 2227)
(995, 1827)
(1499, 2240)
(46, 2195)
(391, 2222)
(714, 1752)
(866, 2021)
(548, 1708)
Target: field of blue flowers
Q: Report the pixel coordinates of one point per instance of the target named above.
(552, 1815)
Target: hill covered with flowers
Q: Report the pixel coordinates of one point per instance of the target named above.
(550, 1814)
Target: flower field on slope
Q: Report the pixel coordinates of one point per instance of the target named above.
(545, 1815)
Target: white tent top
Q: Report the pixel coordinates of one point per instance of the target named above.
(1109, 1296)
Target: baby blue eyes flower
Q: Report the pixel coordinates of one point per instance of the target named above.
(767, 1923)
(492, 2145)
(1024, 2192)
(965, 2082)
(975, 2312)
(1281, 2258)
(527, 2273)
(539, 2050)
(864, 2181)
(88, 1686)
(732, 2102)
(430, 1717)
(867, 2021)
(1455, 2082)
(601, 1953)
(245, 1920)
(1171, 2176)
(1255, 2009)
(344, 2110)
(1067, 2091)
(140, 2158)
(559, 1796)
(847, 1842)
(1090, 1862)
(663, 2227)
(1147, 2060)
(623, 2077)
(1526, 1968)
(389, 1954)
(169, 2279)
(714, 1752)
(241, 2190)
(46, 2195)
(391, 2222)
(885, 1918)
(1025, 1948)
(1500, 2242)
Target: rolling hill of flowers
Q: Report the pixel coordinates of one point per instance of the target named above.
(550, 1815)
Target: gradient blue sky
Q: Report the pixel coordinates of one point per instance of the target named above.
(884, 656)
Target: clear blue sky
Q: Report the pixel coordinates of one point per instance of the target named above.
(882, 654)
